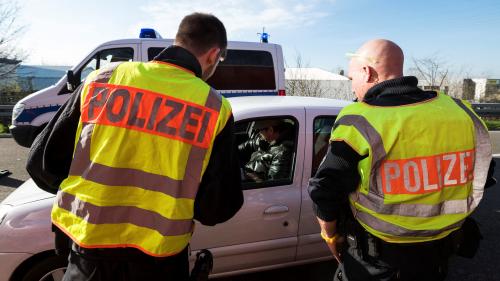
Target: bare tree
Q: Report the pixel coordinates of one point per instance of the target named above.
(432, 71)
(455, 83)
(10, 56)
(299, 84)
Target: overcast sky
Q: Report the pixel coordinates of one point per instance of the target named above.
(461, 33)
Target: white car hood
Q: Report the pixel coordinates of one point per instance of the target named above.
(26, 193)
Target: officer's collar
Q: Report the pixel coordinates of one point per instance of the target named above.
(401, 85)
(181, 57)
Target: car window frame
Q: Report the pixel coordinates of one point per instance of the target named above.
(278, 182)
(97, 57)
(313, 172)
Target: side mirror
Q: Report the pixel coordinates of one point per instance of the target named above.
(71, 81)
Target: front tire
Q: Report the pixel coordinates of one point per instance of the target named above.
(49, 269)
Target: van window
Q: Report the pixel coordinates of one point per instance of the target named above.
(105, 57)
(322, 129)
(153, 52)
(267, 149)
(241, 70)
(245, 70)
(88, 68)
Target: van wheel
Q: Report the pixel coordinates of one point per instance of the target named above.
(49, 269)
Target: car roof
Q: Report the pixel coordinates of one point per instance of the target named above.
(247, 103)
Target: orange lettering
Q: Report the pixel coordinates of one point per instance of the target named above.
(426, 174)
(149, 112)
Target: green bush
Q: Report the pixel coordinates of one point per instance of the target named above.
(493, 125)
(3, 129)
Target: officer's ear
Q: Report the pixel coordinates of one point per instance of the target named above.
(212, 55)
(369, 74)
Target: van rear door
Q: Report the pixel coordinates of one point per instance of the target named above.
(246, 72)
(249, 68)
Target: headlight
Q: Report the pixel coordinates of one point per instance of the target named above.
(4, 210)
(17, 110)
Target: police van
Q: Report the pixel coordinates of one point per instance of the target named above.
(250, 68)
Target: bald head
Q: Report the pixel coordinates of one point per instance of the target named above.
(388, 58)
(375, 61)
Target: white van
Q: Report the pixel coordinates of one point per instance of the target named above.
(251, 68)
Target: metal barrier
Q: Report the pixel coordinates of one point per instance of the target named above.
(487, 109)
(6, 110)
(482, 109)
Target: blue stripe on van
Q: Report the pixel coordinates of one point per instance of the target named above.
(252, 93)
(30, 114)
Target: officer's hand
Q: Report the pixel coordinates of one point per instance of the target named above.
(336, 248)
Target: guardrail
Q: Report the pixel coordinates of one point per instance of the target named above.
(487, 109)
(482, 109)
(6, 110)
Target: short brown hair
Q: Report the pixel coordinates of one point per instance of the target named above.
(199, 32)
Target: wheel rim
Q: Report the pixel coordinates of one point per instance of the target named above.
(54, 275)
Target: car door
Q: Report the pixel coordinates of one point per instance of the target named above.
(264, 231)
(319, 122)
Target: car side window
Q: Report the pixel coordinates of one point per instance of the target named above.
(105, 57)
(322, 129)
(267, 148)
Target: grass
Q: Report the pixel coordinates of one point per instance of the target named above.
(493, 125)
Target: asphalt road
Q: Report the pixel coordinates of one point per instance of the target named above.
(13, 158)
(484, 266)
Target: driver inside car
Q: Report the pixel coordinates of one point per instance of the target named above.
(270, 147)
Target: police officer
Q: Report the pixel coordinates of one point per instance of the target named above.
(404, 170)
(152, 140)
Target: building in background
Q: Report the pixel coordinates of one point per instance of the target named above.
(32, 78)
(482, 90)
(27, 79)
(316, 82)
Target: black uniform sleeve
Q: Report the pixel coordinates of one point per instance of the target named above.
(337, 176)
(491, 180)
(220, 195)
(51, 153)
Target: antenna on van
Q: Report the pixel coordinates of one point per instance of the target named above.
(264, 36)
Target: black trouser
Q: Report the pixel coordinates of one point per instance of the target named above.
(124, 264)
(369, 258)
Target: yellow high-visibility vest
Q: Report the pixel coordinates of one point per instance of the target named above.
(143, 142)
(426, 167)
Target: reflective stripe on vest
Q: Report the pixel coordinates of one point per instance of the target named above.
(101, 205)
(415, 176)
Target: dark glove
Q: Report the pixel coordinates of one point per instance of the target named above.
(254, 144)
(202, 266)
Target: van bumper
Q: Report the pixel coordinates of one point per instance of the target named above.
(24, 135)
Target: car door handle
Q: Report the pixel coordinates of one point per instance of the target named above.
(276, 210)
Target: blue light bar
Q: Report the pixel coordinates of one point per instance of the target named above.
(264, 37)
(149, 33)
